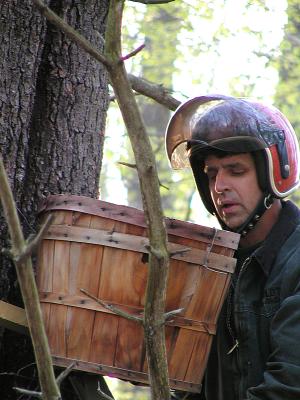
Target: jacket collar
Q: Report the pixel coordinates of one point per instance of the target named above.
(288, 219)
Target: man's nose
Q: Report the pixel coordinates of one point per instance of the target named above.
(221, 182)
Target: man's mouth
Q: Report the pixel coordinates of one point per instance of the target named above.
(228, 207)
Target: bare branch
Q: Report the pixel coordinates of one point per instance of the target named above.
(163, 186)
(156, 253)
(182, 251)
(65, 373)
(171, 314)
(127, 164)
(115, 310)
(29, 293)
(103, 395)
(155, 91)
(134, 52)
(153, 1)
(70, 32)
(32, 244)
(31, 393)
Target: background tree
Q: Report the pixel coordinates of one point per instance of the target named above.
(53, 106)
(200, 52)
(287, 96)
(54, 99)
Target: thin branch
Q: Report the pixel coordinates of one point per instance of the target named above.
(156, 253)
(32, 244)
(7, 253)
(71, 32)
(29, 292)
(153, 1)
(31, 393)
(127, 164)
(65, 373)
(167, 316)
(163, 186)
(134, 52)
(155, 91)
(102, 394)
(171, 314)
(115, 310)
(182, 251)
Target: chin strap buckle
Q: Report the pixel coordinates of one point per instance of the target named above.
(263, 205)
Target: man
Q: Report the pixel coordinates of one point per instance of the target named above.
(245, 160)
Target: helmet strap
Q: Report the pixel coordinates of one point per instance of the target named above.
(263, 205)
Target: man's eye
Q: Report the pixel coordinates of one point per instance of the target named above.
(237, 172)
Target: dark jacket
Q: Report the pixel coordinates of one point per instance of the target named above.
(262, 313)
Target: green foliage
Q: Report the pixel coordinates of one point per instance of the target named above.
(122, 390)
(192, 47)
(287, 97)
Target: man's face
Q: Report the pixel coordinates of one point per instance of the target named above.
(233, 187)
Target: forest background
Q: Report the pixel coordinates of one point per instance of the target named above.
(245, 49)
(192, 47)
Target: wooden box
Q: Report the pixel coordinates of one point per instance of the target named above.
(100, 247)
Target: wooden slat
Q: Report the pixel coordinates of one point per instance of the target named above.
(136, 217)
(57, 332)
(13, 317)
(104, 339)
(84, 302)
(207, 308)
(79, 331)
(58, 314)
(179, 362)
(123, 241)
(122, 373)
(198, 359)
(84, 272)
(129, 346)
(45, 276)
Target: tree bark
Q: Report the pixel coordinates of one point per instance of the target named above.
(53, 104)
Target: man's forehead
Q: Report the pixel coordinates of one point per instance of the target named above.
(230, 159)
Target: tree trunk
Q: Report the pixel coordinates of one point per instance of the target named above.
(53, 104)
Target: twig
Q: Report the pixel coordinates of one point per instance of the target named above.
(71, 32)
(163, 186)
(171, 314)
(168, 315)
(182, 251)
(154, 91)
(65, 373)
(31, 393)
(153, 1)
(102, 394)
(134, 52)
(8, 253)
(157, 253)
(115, 310)
(29, 292)
(32, 244)
(127, 164)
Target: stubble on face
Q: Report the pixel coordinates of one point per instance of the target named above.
(233, 187)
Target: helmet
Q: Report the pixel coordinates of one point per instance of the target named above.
(225, 124)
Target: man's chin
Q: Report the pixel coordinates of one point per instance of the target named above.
(234, 225)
